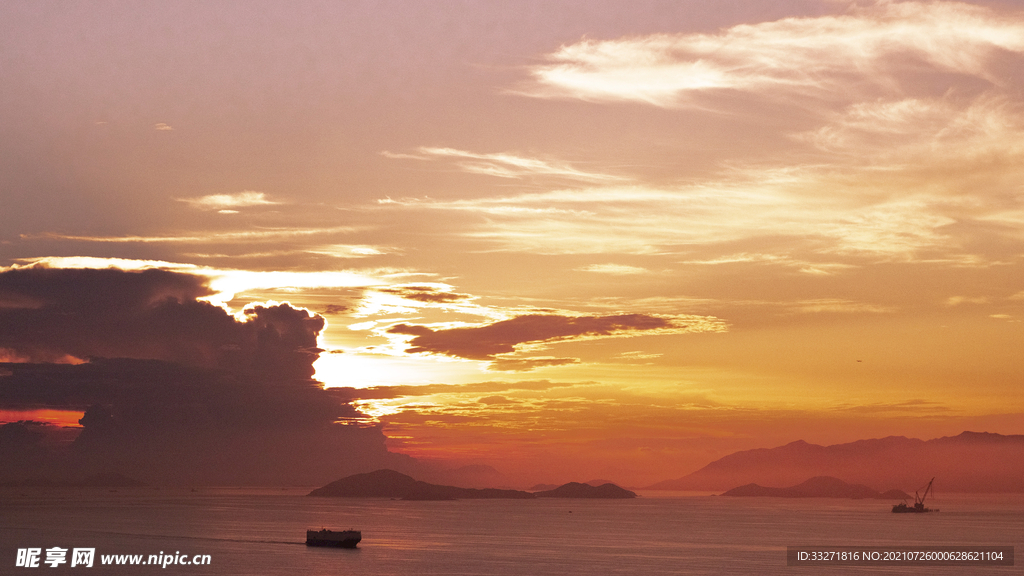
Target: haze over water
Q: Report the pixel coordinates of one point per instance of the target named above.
(262, 532)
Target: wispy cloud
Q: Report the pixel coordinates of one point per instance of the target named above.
(897, 170)
(959, 300)
(350, 250)
(475, 388)
(412, 298)
(430, 293)
(819, 268)
(90, 262)
(161, 126)
(910, 406)
(513, 364)
(228, 203)
(257, 235)
(639, 355)
(837, 305)
(614, 269)
(931, 131)
(647, 220)
(908, 179)
(868, 46)
(506, 165)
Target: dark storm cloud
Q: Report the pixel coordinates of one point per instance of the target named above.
(175, 389)
(152, 314)
(21, 446)
(484, 342)
(168, 423)
(139, 395)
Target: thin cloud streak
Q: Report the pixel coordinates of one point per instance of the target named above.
(212, 237)
(505, 165)
(399, 298)
(512, 364)
(614, 269)
(836, 305)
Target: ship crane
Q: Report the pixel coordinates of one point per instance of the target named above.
(923, 496)
(918, 501)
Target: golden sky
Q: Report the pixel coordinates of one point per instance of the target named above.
(590, 238)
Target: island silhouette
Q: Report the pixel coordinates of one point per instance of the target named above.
(387, 483)
(818, 487)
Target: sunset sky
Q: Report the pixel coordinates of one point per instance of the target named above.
(567, 239)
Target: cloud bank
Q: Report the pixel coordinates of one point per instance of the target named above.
(173, 388)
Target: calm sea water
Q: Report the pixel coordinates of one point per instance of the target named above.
(261, 532)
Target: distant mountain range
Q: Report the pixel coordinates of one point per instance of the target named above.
(818, 487)
(970, 462)
(472, 476)
(391, 484)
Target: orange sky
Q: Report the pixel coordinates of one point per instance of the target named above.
(564, 238)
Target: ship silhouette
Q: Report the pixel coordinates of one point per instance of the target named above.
(918, 507)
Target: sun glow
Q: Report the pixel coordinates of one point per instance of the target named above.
(362, 370)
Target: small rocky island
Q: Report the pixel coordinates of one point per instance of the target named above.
(818, 487)
(578, 490)
(390, 484)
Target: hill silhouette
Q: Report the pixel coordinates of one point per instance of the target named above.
(969, 462)
(817, 487)
(390, 484)
(579, 490)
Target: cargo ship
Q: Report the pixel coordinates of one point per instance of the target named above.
(335, 539)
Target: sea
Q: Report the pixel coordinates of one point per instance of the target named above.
(247, 531)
